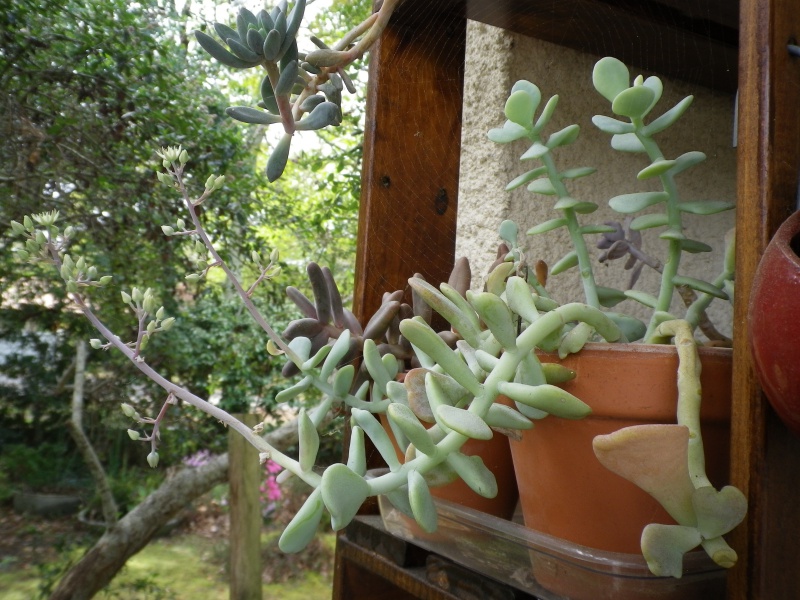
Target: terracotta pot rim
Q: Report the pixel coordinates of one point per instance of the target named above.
(650, 349)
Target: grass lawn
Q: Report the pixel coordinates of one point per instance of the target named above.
(184, 567)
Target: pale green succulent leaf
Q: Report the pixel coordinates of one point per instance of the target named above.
(718, 512)
(505, 417)
(708, 207)
(568, 261)
(656, 168)
(537, 150)
(546, 226)
(379, 437)
(564, 137)
(695, 246)
(631, 203)
(356, 451)
(542, 186)
(308, 441)
(343, 492)
(610, 296)
(649, 221)
(668, 118)
(403, 417)
(655, 84)
(687, 160)
(546, 397)
(509, 132)
(578, 172)
(303, 527)
(627, 142)
(610, 77)
(642, 298)
(474, 473)
(464, 422)
(633, 102)
(663, 547)
(525, 178)
(546, 114)
(497, 316)
(421, 501)
(700, 285)
(520, 108)
(611, 125)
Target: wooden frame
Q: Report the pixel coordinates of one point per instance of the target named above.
(693, 40)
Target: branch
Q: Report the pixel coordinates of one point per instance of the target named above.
(82, 441)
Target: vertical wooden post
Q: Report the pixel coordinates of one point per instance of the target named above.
(244, 477)
(765, 456)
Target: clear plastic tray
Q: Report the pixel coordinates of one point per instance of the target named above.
(548, 567)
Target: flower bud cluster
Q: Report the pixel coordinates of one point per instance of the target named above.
(272, 268)
(144, 305)
(46, 242)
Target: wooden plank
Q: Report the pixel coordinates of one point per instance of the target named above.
(407, 220)
(244, 476)
(692, 41)
(765, 457)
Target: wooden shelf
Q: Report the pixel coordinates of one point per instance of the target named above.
(409, 206)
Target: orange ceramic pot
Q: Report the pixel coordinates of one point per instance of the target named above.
(565, 491)
(774, 322)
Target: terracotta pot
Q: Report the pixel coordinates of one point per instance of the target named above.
(565, 491)
(774, 321)
(496, 455)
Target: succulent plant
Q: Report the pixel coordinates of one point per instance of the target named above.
(454, 378)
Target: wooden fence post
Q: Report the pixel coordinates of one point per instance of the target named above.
(244, 476)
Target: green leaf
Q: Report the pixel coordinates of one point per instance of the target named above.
(505, 417)
(656, 168)
(668, 118)
(356, 451)
(663, 547)
(531, 89)
(343, 492)
(542, 186)
(546, 397)
(525, 178)
(610, 296)
(649, 221)
(594, 229)
(474, 473)
(567, 262)
(563, 137)
(324, 114)
(631, 203)
(422, 506)
(497, 316)
(216, 50)
(687, 160)
(707, 207)
(303, 527)
(272, 45)
(464, 422)
(577, 172)
(546, 115)
(547, 226)
(566, 202)
(610, 77)
(403, 417)
(308, 441)
(276, 162)
(613, 126)
(672, 234)
(246, 114)
(268, 95)
(655, 84)
(509, 132)
(287, 79)
(642, 298)
(700, 286)
(633, 102)
(694, 246)
(585, 208)
(627, 142)
(520, 108)
(537, 150)
(242, 51)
